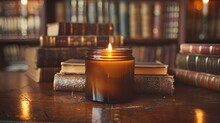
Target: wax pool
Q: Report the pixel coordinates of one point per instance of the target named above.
(109, 75)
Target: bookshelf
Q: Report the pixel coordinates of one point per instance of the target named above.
(21, 24)
(143, 23)
(202, 23)
(21, 18)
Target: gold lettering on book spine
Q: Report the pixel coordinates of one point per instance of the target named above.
(210, 49)
(187, 61)
(41, 40)
(95, 40)
(52, 41)
(82, 41)
(69, 41)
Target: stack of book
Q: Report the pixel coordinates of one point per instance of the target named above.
(153, 77)
(149, 77)
(198, 65)
(64, 41)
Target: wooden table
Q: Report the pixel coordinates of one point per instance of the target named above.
(24, 100)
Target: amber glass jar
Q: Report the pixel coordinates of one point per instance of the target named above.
(109, 75)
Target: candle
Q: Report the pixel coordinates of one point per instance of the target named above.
(109, 75)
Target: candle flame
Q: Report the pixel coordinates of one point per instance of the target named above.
(205, 1)
(109, 46)
(24, 2)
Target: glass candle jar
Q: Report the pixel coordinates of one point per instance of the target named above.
(109, 75)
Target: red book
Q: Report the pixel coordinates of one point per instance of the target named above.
(199, 63)
(200, 48)
(199, 79)
(70, 28)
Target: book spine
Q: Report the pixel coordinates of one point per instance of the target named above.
(154, 84)
(209, 49)
(91, 5)
(105, 29)
(78, 28)
(123, 18)
(74, 10)
(143, 84)
(81, 11)
(218, 24)
(1, 17)
(100, 12)
(67, 10)
(52, 57)
(147, 19)
(200, 63)
(76, 41)
(47, 74)
(158, 20)
(198, 79)
(106, 11)
(135, 19)
(59, 11)
(212, 19)
(171, 18)
(113, 16)
(42, 74)
(92, 29)
(70, 28)
(74, 82)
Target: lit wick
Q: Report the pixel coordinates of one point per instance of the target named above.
(109, 46)
(109, 50)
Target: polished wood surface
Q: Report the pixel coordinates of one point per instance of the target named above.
(24, 100)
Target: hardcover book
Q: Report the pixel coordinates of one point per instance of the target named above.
(69, 82)
(171, 18)
(147, 19)
(52, 57)
(199, 79)
(73, 66)
(135, 25)
(158, 20)
(42, 74)
(123, 18)
(150, 68)
(200, 63)
(70, 28)
(72, 78)
(143, 83)
(91, 9)
(114, 16)
(199, 48)
(81, 41)
(162, 84)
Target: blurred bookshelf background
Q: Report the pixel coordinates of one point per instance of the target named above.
(152, 28)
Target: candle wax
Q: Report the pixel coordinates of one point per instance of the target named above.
(109, 80)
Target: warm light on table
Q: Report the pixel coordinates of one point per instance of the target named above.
(109, 75)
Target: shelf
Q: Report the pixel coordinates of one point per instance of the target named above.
(210, 40)
(12, 39)
(144, 42)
